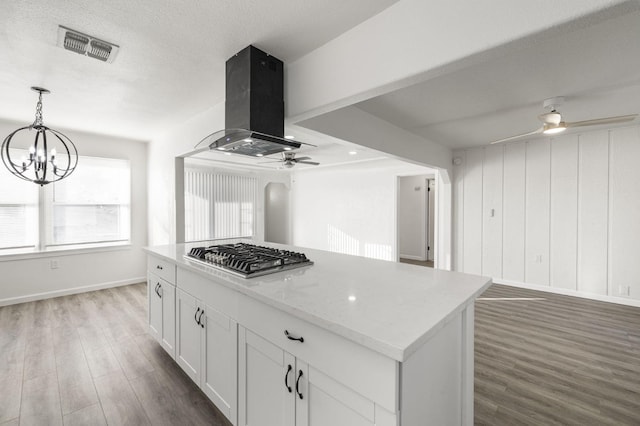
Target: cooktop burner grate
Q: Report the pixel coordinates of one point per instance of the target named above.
(248, 260)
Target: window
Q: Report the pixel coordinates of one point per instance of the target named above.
(218, 205)
(18, 210)
(91, 206)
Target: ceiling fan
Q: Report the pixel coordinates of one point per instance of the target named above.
(552, 121)
(289, 160)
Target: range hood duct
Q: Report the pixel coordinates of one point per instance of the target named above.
(254, 107)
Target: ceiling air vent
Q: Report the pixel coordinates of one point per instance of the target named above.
(83, 44)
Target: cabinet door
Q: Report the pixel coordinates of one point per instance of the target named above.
(188, 334)
(155, 307)
(220, 367)
(321, 400)
(168, 293)
(266, 376)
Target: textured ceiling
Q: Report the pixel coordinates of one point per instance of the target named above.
(596, 68)
(171, 60)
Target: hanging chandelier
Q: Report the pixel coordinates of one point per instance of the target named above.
(49, 157)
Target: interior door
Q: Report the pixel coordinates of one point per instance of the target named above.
(266, 376)
(168, 293)
(219, 372)
(188, 334)
(155, 307)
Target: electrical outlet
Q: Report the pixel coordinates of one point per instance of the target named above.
(624, 290)
(54, 264)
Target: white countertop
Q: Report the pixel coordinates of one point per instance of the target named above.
(389, 307)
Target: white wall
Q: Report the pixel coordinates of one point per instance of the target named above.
(412, 205)
(31, 277)
(162, 153)
(565, 212)
(349, 209)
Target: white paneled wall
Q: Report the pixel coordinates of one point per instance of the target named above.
(537, 189)
(559, 212)
(513, 229)
(492, 178)
(624, 210)
(472, 212)
(564, 213)
(593, 212)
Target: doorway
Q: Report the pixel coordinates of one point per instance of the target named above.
(416, 219)
(276, 213)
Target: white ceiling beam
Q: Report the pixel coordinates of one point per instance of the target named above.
(357, 126)
(415, 40)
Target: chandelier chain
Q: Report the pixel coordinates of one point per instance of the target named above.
(38, 120)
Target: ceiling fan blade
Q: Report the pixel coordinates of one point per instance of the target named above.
(599, 121)
(309, 162)
(302, 158)
(511, 138)
(273, 161)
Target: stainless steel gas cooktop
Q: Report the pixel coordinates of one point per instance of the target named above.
(247, 260)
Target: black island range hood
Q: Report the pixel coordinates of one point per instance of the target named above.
(254, 107)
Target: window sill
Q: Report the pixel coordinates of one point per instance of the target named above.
(70, 250)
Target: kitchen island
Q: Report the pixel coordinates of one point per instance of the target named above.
(345, 341)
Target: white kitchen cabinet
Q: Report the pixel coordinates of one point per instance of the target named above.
(266, 376)
(219, 361)
(162, 324)
(189, 330)
(239, 340)
(207, 351)
(276, 388)
(325, 401)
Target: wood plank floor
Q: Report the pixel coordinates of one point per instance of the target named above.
(541, 359)
(546, 359)
(87, 359)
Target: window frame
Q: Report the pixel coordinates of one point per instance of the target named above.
(45, 247)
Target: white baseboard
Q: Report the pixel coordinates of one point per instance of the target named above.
(412, 257)
(575, 293)
(68, 291)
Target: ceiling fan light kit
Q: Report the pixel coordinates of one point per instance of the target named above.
(552, 122)
(553, 129)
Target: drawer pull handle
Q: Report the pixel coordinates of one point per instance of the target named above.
(297, 381)
(200, 319)
(159, 267)
(290, 337)
(286, 378)
(158, 287)
(196, 319)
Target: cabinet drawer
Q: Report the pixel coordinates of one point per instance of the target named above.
(162, 268)
(369, 373)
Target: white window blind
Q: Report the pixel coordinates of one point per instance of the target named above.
(92, 205)
(18, 209)
(218, 205)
